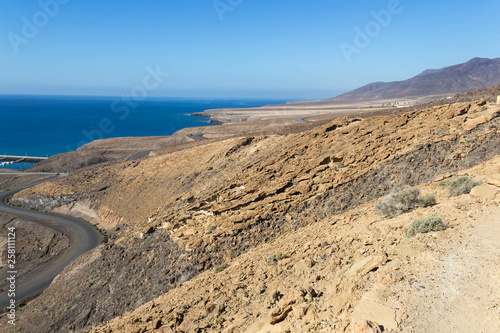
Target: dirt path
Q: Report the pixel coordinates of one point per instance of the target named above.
(462, 292)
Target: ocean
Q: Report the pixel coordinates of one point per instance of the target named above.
(49, 125)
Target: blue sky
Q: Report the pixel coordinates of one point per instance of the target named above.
(234, 48)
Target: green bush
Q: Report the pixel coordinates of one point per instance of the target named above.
(274, 258)
(398, 202)
(103, 233)
(459, 185)
(426, 225)
(221, 268)
(427, 200)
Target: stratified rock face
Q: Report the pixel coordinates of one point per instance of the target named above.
(46, 203)
(353, 272)
(187, 212)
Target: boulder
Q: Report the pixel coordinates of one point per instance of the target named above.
(366, 265)
(485, 191)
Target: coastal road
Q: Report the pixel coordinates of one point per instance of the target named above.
(83, 237)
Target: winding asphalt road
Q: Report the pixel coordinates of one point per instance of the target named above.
(82, 235)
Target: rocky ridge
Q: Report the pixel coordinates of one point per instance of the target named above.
(478, 73)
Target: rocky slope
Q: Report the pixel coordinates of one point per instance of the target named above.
(176, 215)
(489, 95)
(351, 272)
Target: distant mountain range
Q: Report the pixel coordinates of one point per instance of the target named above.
(478, 73)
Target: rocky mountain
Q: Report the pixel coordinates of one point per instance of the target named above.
(277, 232)
(478, 73)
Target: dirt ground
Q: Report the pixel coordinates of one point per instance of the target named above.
(459, 292)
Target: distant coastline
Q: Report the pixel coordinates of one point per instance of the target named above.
(42, 125)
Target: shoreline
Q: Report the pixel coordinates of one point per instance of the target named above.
(290, 112)
(106, 151)
(223, 124)
(72, 121)
(278, 122)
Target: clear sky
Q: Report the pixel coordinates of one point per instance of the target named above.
(234, 48)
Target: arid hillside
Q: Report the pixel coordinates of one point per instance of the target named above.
(235, 202)
(356, 272)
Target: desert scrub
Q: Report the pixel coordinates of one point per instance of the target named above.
(221, 268)
(103, 233)
(429, 224)
(274, 258)
(427, 200)
(459, 185)
(398, 202)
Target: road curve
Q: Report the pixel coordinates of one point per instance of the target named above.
(83, 237)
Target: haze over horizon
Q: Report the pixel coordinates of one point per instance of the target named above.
(234, 48)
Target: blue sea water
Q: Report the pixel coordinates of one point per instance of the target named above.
(49, 125)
